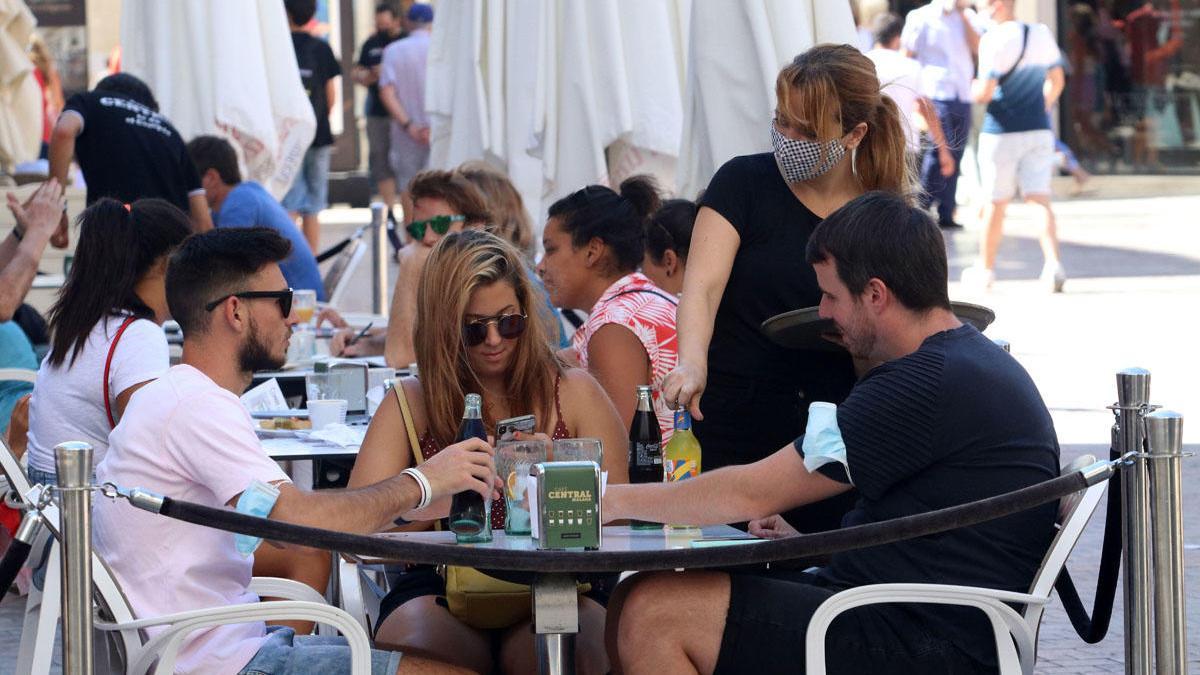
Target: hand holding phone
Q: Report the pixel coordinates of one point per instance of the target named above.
(506, 428)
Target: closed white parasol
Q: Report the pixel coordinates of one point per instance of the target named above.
(225, 67)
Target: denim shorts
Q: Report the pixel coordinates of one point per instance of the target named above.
(37, 476)
(309, 194)
(285, 653)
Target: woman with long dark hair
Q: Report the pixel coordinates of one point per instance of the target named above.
(106, 325)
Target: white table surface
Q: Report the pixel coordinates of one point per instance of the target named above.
(280, 449)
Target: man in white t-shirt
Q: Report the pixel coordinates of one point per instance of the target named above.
(1020, 78)
(187, 436)
(900, 77)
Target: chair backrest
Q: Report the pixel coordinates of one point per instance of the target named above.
(337, 279)
(1074, 512)
(10, 466)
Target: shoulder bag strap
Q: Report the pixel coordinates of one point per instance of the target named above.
(112, 348)
(409, 426)
(1021, 55)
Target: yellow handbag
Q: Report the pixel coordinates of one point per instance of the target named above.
(476, 599)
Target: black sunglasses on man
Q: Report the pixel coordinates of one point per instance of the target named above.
(284, 298)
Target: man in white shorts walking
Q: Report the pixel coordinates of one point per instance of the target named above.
(1020, 78)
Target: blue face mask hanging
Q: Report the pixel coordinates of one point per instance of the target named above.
(256, 500)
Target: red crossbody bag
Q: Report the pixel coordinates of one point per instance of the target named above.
(112, 348)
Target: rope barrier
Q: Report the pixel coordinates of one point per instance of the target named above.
(802, 546)
(18, 550)
(1093, 629)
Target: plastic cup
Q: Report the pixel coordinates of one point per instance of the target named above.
(302, 346)
(579, 450)
(304, 304)
(513, 461)
(328, 411)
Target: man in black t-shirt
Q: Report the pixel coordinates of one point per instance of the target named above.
(366, 73)
(947, 418)
(319, 73)
(126, 150)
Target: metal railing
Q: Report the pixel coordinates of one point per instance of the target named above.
(379, 252)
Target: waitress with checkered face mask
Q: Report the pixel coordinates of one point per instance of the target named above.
(834, 137)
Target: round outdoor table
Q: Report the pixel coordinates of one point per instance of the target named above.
(554, 575)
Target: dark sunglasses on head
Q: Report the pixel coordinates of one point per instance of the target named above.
(284, 298)
(439, 224)
(508, 325)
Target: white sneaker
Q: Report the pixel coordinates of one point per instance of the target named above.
(1053, 276)
(978, 278)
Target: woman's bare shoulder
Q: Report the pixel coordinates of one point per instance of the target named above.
(578, 385)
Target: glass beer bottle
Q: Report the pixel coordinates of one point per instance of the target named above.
(681, 455)
(470, 513)
(645, 449)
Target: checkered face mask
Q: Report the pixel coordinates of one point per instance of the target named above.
(801, 160)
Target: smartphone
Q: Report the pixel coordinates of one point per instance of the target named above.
(505, 428)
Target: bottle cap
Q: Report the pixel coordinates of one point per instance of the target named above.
(474, 400)
(683, 419)
(643, 389)
(321, 367)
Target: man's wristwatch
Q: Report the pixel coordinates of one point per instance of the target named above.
(18, 232)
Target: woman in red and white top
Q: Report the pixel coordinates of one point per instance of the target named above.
(595, 241)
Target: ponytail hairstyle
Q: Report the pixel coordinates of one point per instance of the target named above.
(117, 246)
(671, 228)
(617, 219)
(834, 88)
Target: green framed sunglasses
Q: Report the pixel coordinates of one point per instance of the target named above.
(439, 224)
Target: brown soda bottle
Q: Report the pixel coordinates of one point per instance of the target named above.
(645, 449)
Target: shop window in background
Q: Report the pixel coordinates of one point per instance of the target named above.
(1132, 103)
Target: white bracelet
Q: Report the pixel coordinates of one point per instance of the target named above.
(423, 483)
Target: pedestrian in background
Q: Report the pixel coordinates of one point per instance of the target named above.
(1020, 79)
(901, 79)
(944, 39)
(319, 73)
(388, 29)
(402, 91)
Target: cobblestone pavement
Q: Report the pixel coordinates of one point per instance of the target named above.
(1134, 263)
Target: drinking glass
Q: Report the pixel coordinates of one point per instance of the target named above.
(513, 461)
(579, 450)
(304, 304)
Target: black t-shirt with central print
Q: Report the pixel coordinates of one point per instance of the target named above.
(129, 152)
(954, 422)
(317, 66)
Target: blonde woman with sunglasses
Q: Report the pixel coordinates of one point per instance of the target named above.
(477, 331)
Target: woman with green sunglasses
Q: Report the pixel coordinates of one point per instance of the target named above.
(443, 202)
